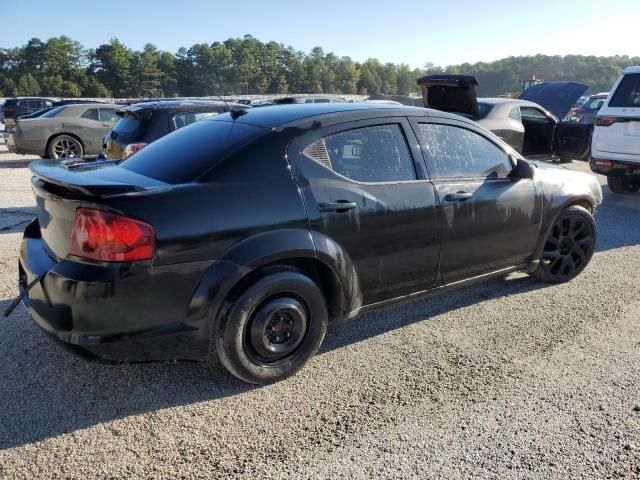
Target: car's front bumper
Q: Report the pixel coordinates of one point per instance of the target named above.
(132, 312)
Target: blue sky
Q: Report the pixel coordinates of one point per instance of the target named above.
(413, 32)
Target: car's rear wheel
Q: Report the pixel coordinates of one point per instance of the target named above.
(623, 185)
(65, 146)
(568, 247)
(272, 328)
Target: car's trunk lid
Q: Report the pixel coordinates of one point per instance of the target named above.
(450, 93)
(62, 188)
(557, 97)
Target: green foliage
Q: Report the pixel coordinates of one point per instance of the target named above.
(61, 67)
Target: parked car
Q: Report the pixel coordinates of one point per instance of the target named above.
(15, 107)
(616, 136)
(307, 99)
(530, 124)
(60, 103)
(69, 131)
(245, 235)
(586, 113)
(142, 123)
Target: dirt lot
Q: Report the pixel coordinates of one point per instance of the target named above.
(509, 379)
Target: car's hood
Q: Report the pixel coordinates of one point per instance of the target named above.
(557, 97)
(450, 93)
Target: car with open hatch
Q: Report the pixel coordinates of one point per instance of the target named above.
(532, 123)
(245, 234)
(141, 123)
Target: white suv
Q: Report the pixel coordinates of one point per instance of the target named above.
(615, 149)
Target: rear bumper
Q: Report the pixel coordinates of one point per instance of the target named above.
(615, 168)
(120, 312)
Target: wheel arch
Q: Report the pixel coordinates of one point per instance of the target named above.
(57, 134)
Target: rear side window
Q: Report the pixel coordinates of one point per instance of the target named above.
(628, 92)
(187, 153)
(371, 154)
(108, 115)
(183, 119)
(460, 153)
(514, 114)
(91, 114)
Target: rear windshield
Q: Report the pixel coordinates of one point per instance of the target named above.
(628, 92)
(484, 109)
(52, 113)
(187, 153)
(593, 104)
(129, 126)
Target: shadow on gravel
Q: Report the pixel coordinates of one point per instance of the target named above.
(15, 219)
(372, 324)
(47, 391)
(618, 220)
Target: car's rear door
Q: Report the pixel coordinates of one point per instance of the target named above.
(364, 190)
(490, 219)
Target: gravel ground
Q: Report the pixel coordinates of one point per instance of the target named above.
(508, 379)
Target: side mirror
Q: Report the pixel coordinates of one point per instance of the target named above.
(524, 169)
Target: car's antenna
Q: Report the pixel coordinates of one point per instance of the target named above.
(235, 112)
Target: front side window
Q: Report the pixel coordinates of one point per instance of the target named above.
(460, 153)
(628, 92)
(370, 154)
(107, 115)
(184, 119)
(91, 114)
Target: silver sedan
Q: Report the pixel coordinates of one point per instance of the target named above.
(65, 132)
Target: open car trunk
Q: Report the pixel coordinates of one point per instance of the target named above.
(450, 93)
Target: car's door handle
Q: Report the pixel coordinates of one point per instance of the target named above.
(340, 206)
(458, 197)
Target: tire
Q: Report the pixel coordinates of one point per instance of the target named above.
(622, 185)
(64, 146)
(568, 247)
(271, 329)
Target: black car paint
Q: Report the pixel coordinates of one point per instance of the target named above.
(213, 234)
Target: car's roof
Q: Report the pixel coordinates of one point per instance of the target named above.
(600, 95)
(83, 106)
(174, 105)
(635, 69)
(277, 115)
(502, 101)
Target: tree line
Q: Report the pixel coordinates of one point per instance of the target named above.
(62, 67)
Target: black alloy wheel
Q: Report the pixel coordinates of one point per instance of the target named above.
(569, 246)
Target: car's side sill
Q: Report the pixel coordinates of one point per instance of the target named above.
(434, 291)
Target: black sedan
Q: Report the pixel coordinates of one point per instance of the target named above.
(247, 233)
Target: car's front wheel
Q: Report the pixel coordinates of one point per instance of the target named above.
(271, 329)
(568, 247)
(622, 185)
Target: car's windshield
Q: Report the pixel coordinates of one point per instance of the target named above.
(593, 104)
(484, 109)
(53, 112)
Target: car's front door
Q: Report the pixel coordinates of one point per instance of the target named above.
(490, 219)
(573, 140)
(364, 190)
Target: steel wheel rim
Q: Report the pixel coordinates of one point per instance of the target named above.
(569, 247)
(66, 148)
(276, 329)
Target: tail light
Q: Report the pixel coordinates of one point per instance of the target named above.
(110, 237)
(605, 121)
(131, 149)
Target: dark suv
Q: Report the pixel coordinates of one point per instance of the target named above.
(142, 123)
(247, 233)
(14, 108)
